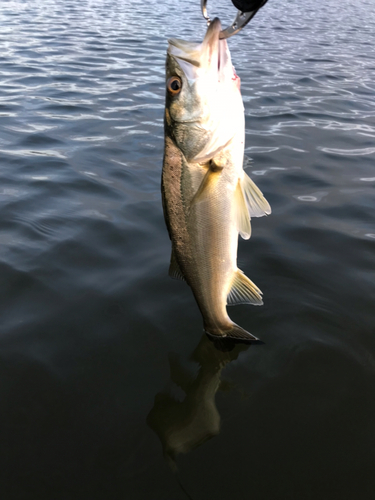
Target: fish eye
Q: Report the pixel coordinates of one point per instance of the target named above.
(174, 85)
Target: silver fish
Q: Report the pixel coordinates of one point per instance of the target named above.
(207, 197)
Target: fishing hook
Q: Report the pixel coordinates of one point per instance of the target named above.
(240, 21)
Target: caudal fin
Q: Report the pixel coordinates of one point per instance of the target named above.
(236, 333)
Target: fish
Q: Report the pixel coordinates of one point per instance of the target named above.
(208, 199)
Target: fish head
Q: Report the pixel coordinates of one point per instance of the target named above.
(204, 108)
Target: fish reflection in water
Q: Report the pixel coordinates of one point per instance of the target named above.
(184, 425)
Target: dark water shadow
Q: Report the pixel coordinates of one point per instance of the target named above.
(183, 425)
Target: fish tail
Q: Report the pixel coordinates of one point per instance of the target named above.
(236, 333)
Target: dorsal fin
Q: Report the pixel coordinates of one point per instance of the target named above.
(174, 268)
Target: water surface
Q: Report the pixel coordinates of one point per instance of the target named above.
(109, 388)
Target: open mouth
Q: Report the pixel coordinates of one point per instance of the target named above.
(212, 55)
(216, 47)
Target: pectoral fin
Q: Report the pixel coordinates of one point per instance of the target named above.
(174, 269)
(255, 201)
(242, 213)
(208, 183)
(244, 291)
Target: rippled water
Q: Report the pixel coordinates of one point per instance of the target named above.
(109, 389)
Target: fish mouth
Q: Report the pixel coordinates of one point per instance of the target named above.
(211, 56)
(213, 31)
(217, 53)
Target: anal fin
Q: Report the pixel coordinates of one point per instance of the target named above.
(244, 291)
